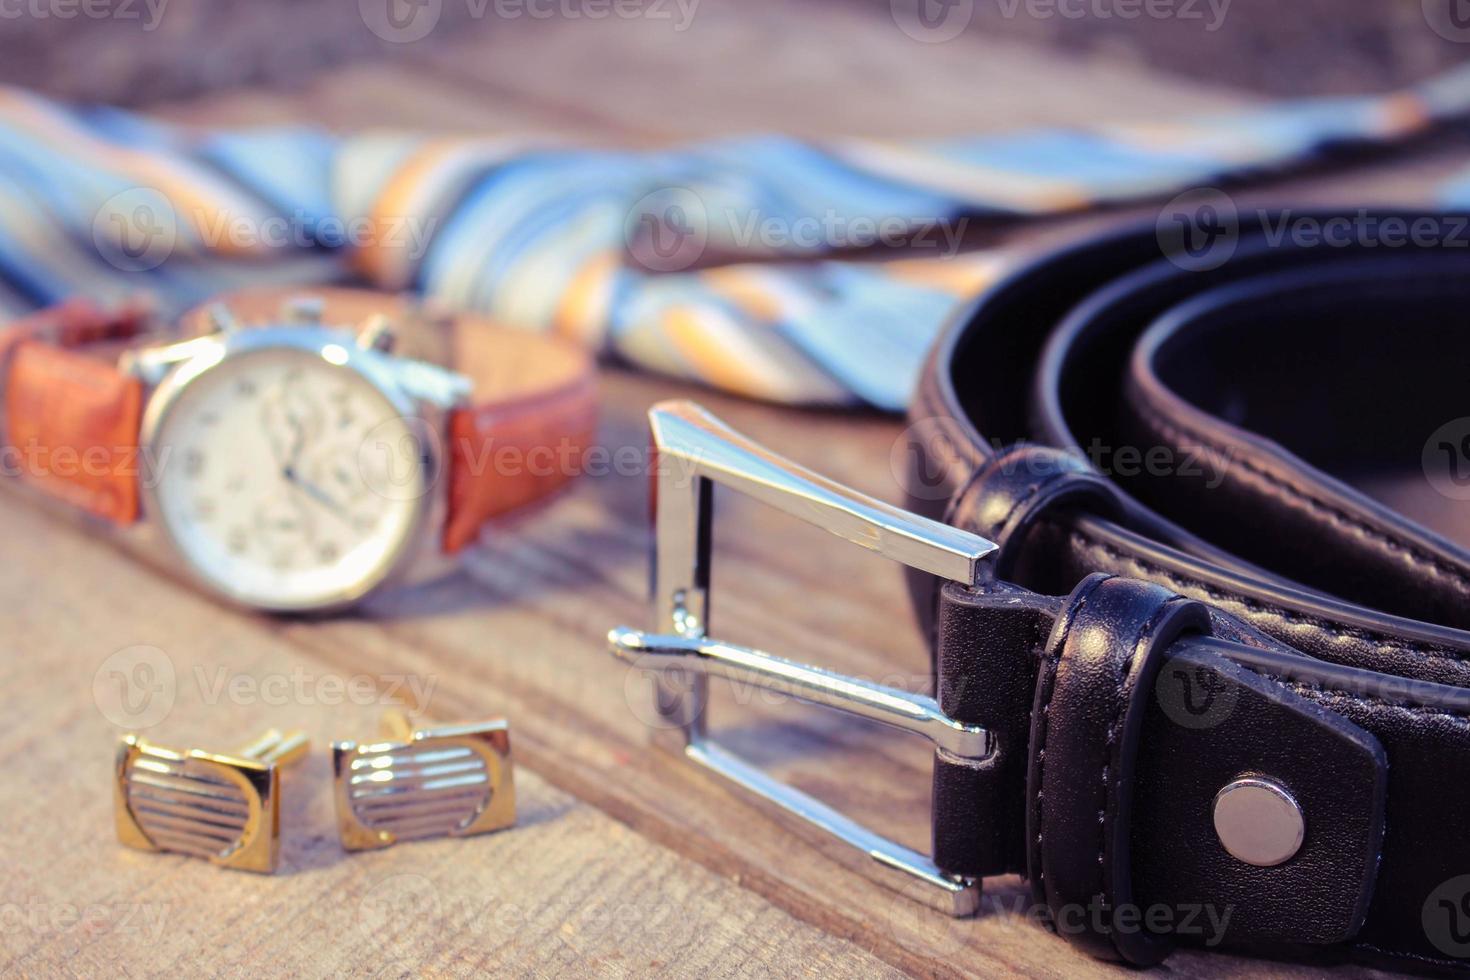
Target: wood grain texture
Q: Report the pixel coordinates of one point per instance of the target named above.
(626, 861)
(568, 890)
(138, 51)
(613, 835)
(737, 66)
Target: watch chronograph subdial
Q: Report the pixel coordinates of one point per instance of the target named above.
(291, 415)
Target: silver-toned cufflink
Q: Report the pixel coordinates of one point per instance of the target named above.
(453, 780)
(225, 808)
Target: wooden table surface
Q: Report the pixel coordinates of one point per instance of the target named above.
(624, 862)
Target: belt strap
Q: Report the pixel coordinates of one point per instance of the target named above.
(1244, 476)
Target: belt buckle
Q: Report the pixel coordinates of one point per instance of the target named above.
(696, 451)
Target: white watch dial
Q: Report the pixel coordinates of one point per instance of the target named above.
(287, 481)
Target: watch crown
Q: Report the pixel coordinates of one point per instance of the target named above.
(222, 319)
(376, 333)
(303, 310)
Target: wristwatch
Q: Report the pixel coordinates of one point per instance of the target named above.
(286, 451)
(1186, 533)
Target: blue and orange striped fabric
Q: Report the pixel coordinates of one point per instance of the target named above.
(776, 268)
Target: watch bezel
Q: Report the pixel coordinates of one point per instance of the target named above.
(339, 349)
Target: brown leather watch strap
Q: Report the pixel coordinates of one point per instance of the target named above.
(533, 419)
(71, 416)
(532, 413)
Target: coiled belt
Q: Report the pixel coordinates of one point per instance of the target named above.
(1256, 439)
(1185, 512)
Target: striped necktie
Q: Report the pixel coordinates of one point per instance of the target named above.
(771, 267)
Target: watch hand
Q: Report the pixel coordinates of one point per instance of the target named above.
(306, 517)
(315, 493)
(278, 451)
(299, 427)
(274, 413)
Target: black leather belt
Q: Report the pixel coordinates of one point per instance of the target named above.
(1192, 580)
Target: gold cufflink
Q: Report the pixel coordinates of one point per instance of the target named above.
(455, 780)
(224, 808)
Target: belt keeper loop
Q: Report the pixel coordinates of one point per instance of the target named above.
(1012, 490)
(1092, 694)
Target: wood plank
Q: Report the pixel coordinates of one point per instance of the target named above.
(824, 71)
(404, 97)
(568, 892)
(831, 70)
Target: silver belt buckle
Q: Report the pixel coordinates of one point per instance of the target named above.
(696, 451)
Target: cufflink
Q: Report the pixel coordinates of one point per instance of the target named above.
(225, 808)
(454, 780)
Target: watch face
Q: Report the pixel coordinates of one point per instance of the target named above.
(285, 480)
